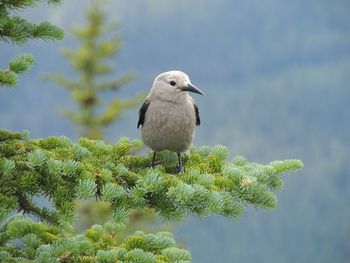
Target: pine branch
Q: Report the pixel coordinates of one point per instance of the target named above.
(65, 172)
(115, 109)
(20, 4)
(62, 80)
(45, 243)
(17, 30)
(116, 84)
(18, 65)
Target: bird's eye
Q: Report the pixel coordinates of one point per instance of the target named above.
(172, 83)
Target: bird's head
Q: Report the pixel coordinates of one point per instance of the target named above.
(173, 86)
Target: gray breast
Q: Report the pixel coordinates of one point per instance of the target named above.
(169, 126)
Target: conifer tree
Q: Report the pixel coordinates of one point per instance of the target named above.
(90, 62)
(17, 30)
(65, 171)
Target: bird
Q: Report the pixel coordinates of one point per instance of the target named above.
(169, 115)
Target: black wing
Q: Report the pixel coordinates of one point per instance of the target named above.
(142, 113)
(198, 120)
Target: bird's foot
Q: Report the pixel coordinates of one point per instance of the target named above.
(179, 169)
(153, 165)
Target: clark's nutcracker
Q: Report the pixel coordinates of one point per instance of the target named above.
(169, 115)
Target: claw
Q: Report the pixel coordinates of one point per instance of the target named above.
(179, 169)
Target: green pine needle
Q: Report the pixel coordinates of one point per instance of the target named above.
(17, 30)
(65, 171)
(18, 65)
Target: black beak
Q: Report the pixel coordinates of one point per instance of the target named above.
(192, 88)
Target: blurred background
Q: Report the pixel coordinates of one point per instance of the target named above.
(276, 74)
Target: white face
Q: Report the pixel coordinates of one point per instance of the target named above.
(168, 85)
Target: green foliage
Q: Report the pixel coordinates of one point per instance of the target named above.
(44, 243)
(64, 172)
(17, 30)
(90, 61)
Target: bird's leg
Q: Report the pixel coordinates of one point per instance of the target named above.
(179, 167)
(153, 160)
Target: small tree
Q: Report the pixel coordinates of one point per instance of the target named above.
(17, 30)
(90, 62)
